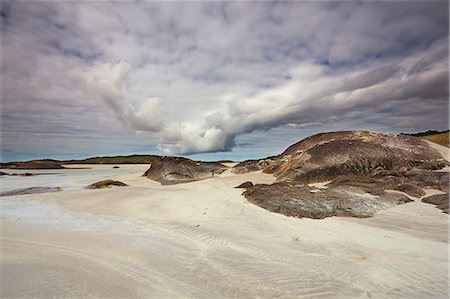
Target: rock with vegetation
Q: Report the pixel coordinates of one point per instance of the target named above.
(106, 184)
(175, 170)
(440, 200)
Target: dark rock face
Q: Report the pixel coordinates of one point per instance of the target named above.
(304, 201)
(106, 184)
(174, 170)
(326, 156)
(32, 190)
(440, 200)
(430, 179)
(34, 164)
(245, 185)
(411, 190)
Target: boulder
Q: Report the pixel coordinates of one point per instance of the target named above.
(440, 200)
(174, 170)
(245, 185)
(326, 156)
(106, 184)
(304, 201)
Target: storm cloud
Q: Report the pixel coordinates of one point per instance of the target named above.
(197, 77)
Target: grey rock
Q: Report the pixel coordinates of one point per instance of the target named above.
(175, 170)
(304, 201)
(440, 200)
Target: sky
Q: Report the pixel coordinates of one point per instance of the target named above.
(215, 80)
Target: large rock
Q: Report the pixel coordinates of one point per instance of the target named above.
(174, 170)
(361, 167)
(326, 156)
(440, 200)
(305, 201)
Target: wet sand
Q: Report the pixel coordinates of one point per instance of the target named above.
(204, 240)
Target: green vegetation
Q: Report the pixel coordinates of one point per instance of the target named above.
(132, 159)
(441, 138)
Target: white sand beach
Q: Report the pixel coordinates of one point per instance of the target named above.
(204, 240)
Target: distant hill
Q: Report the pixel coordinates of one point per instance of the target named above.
(440, 137)
(132, 159)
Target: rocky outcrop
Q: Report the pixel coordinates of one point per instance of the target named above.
(361, 167)
(304, 201)
(34, 164)
(440, 200)
(31, 190)
(245, 185)
(174, 170)
(326, 156)
(106, 184)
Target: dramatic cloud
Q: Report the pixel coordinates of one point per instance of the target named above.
(198, 77)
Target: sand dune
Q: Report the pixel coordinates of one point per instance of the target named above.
(204, 240)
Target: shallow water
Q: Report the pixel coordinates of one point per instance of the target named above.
(67, 179)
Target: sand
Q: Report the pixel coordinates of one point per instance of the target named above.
(204, 240)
